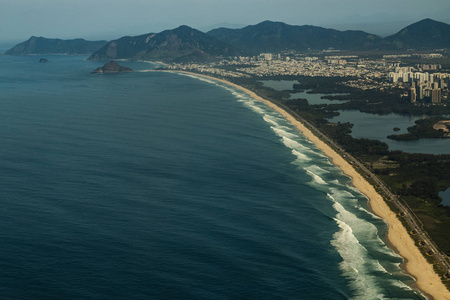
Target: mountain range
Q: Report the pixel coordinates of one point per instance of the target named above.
(277, 36)
(185, 44)
(180, 44)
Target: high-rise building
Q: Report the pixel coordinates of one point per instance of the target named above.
(420, 91)
(412, 95)
(436, 96)
(266, 56)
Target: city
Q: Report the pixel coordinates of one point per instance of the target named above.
(422, 84)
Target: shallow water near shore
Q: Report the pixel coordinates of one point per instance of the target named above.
(158, 185)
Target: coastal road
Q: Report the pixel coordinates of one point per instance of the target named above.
(411, 219)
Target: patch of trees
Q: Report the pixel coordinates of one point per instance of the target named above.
(422, 129)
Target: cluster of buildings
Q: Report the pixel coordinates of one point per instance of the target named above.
(423, 83)
(426, 93)
(306, 66)
(423, 87)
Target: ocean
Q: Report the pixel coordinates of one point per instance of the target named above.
(152, 185)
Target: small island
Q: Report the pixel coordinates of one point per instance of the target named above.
(111, 68)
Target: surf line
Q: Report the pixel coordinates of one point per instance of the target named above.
(427, 281)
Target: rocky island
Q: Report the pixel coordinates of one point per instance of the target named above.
(111, 68)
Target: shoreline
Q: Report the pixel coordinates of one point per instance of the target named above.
(398, 239)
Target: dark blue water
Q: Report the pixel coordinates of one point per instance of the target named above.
(154, 185)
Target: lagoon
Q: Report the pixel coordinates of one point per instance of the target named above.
(371, 126)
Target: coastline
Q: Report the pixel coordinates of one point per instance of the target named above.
(415, 264)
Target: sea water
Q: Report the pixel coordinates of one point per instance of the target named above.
(152, 185)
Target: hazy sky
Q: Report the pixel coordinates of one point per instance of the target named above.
(20, 19)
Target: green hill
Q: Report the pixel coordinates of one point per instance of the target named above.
(271, 36)
(182, 44)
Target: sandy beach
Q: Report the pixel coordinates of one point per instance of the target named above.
(416, 265)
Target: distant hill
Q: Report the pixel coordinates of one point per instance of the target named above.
(111, 68)
(424, 34)
(41, 45)
(277, 36)
(182, 44)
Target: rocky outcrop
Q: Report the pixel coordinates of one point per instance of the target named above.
(111, 68)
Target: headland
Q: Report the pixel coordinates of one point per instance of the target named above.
(415, 264)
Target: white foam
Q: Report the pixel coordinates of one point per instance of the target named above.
(282, 133)
(290, 143)
(255, 108)
(316, 169)
(353, 264)
(270, 120)
(316, 178)
(369, 213)
(335, 181)
(300, 156)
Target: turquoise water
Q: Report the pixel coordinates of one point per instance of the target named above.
(155, 185)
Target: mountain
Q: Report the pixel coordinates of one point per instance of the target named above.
(183, 44)
(424, 34)
(41, 45)
(271, 36)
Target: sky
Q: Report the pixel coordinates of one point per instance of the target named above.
(111, 19)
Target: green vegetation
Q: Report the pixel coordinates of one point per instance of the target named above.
(418, 179)
(422, 129)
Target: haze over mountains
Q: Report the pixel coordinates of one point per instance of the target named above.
(185, 44)
(180, 44)
(41, 45)
(425, 34)
(277, 36)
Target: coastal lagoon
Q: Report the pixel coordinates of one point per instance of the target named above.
(372, 126)
(315, 99)
(378, 127)
(152, 185)
(280, 85)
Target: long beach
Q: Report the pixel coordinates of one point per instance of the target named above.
(399, 239)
